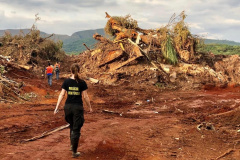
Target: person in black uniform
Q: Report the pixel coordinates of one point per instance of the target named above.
(76, 89)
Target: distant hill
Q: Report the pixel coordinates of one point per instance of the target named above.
(88, 33)
(214, 41)
(26, 31)
(74, 44)
(14, 31)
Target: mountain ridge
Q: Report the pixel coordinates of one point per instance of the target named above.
(74, 43)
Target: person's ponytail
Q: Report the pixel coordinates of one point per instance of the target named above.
(75, 70)
(76, 77)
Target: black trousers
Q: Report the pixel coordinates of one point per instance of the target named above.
(74, 115)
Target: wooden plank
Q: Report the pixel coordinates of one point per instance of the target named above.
(137, 54)
(111, 56)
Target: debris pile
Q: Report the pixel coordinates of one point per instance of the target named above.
(168, 44)
(30, 50)
(9, 89)
(167, 55)
(22, 52)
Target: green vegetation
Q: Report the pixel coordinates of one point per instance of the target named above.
(214, 41)
(77, 46)
(169, 52)
(220, 49)
(176, 38)
(74, 43)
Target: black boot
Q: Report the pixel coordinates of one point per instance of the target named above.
(70, 140)
(74, 155)
(74, 141)
(74, 147)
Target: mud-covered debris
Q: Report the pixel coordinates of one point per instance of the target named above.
(178, 110)
(93, 80)
(139, 103)
(131, 45)
(166, 55)
(205, 126)
(9, 89)
(133, 41)
(111, 112)
(31, 50)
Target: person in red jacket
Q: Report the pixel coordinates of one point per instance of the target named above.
(49, 73)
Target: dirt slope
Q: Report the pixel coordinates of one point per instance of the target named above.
(145, 123)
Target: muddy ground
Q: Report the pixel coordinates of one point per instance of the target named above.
(146, 123)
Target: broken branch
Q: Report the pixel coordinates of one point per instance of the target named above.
(159, 68)
(48, 37)
(225, 154)
(86, 46)
(47, 133)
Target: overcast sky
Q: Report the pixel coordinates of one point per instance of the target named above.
(215, 19)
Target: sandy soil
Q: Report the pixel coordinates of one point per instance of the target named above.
(129, 122)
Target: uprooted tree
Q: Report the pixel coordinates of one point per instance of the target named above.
(128, 43)
(167, 54)
(168, 44)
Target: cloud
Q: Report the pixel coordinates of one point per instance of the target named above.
(210, 35)
(216, 17)
(232, 3)
(81, 3)
(196, 26)
(232, 22)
